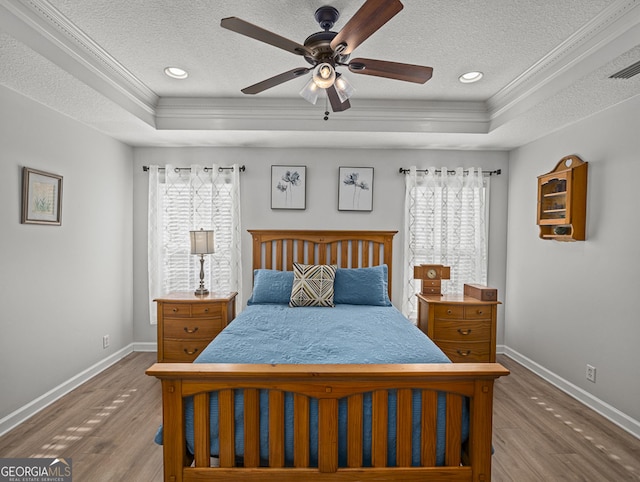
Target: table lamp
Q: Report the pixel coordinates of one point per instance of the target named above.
(201, 243)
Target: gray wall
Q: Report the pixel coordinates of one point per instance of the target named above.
(573, 304)
(322, 203)
(61, 288)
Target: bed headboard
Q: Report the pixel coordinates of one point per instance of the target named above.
(279, 249)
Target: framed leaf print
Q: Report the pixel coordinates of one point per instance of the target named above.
(288, 187)
(355, 189)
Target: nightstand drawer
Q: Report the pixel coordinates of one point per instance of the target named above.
(462, 331)
(192, 328)
(455, 312)
(466, 352)
(176, 309)
(183, 351)
(477, 312)
(206, 309)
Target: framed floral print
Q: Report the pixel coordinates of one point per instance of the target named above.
(41, 197)
(288, 187)
(355, 189)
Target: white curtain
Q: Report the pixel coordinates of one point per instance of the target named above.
(182, 200)
(445, 223)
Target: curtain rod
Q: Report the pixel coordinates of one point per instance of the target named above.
(206, 169)
(497, 172)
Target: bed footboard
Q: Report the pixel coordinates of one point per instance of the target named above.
(328, 384)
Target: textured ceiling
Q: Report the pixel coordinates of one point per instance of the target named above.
(546, 64)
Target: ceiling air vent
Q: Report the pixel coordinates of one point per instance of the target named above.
(628, 72)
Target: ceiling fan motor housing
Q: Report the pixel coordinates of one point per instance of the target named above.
(319, 43)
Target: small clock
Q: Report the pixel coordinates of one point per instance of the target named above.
(431, 276)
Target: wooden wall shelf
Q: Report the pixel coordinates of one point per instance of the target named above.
(562, 201)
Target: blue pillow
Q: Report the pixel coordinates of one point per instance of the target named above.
(271, 286)
(362, 286)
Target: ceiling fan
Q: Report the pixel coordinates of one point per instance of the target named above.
(328, 50)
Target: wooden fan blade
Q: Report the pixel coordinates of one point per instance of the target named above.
(391, 70)
(366, 21)
(276, 80)
(238, 25)
(334, 100)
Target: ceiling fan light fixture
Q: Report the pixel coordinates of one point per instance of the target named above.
(470, 77)
(344, 88)
(310, 92)
(176, 73)
(324, 75)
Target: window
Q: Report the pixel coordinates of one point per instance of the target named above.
(185, 199)
(445, 223)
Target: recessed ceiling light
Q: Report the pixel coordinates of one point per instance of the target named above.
(176, 73)
(470, 77)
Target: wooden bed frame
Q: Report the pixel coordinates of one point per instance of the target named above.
(328, 383)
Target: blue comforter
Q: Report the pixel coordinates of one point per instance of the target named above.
(343, 334)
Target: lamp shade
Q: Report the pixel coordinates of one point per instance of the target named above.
(324, 75)
(310, 92)
(344, 89)
(201, 242)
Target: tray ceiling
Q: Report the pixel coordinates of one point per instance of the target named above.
(546, 64)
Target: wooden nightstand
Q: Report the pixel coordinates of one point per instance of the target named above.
(463, 327)
(187, 323)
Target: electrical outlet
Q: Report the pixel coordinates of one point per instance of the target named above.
(105, 341)
(591, 373)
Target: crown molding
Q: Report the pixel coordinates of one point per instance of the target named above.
(611, 33)
(297, 115)
(43, 28)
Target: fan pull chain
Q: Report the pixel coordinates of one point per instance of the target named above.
(326, 107)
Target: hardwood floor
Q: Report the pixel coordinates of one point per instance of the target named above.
(107, 426)
(542, 434)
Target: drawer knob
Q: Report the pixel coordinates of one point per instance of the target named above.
(206, 310)
(464, 332)
(449, 312)
(479, 312)
(188, 330)
(191, 352)
(464, 353)
(175, 310)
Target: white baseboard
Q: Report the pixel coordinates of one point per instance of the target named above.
(145, 346)
(607, 411)
(30, 409)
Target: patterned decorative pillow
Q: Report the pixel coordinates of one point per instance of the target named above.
(312, 285)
